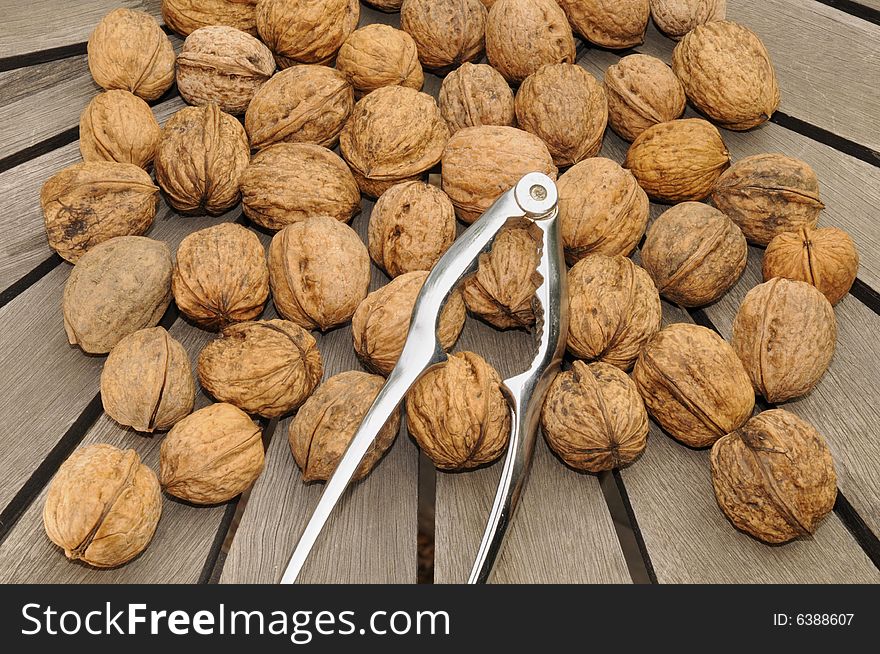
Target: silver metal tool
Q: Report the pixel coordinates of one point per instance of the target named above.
(535, 200)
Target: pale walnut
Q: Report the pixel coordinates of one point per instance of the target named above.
(379, 55)
(615, 24)
(306, 32)
(119, 126)
(186, 16)
(675, 18)
(474, 95)
(447, 33)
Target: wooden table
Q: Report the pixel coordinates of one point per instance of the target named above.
(655, 521)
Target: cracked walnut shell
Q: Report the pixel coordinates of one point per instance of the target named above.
(447, 33)
(102, 506)
(774, 477)
(265, 367)
(457, 413)
(118, 126)
(474, 95)
(693, 384)
(88, 203)
(613, 310)
(220, 276)
(147, 383)
(381, 323)
(306, 32)
(186, 16)
(615, 24)
(675, 18)
(594, 418)
(379, 55)
(784, 333)
(324, 426)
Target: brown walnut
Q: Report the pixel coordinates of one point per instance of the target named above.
(447, 33)
(379, 55)
(476, 94)
(385, 5)
(306, 32)
(617, 24)
(118, 126)
(675, 18)
(186, 16)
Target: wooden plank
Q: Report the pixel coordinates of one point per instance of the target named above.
(23, 243)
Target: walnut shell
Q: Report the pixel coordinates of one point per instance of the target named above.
(147, 383)
(202, 155)
(602, 210)
(594, 418)
(288, 183)
(642, 91)
(457, 413)
(220, 276)
(447, 33)
(128, 50)
(118, 126)
(826, 258)
(319, 272)
(212, 455)
(613, 309)
(768, 194)
(385, 5)
(679, 160)
(693, 384)
(502, 290)
(675, 18)
(186, 16)
(474, 95)
(306, 32)
(379, 55)
(523, 35)
(222, 65)
(566, 107)
(727, 74)
(89, 203)
(324, 426)
(115, 289)
(694, 254)
(618, 24)
(411, 226)
(481, 163)
(774, 477)
(266, 367)
(301, 104)
(394, 134)
(102, 506)
(784, 333)
(380, 325)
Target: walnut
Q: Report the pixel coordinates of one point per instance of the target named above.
(394, 134)
(566, 107)
(266, 367)
(102, 506)
(502, 290)
(118, 126)
(523, 35)
(679, 160)
(411, 226)
(291, 182)
(693, 384)
(774, 477)
(594, 418)
(385, 5)
(613, 309)
(675, 18)
(379, 55)
(381, 323)
(727, 74)
(767, 194)
(319, 271)
(301, 104)
(618, 24)
(324, 426)
(147, 383)
(694, 254)
(186, 16)
(785, 333)
(458, 414)
(826, 258)
(474, 95)
(202, 155)
(446, 32)
(212, 455)
(602, 210)
(89, 203)
(222, 65)
(115, 289)
(481, 163)
(306, 32)
(642, 91)
(128, 50)
(220, 276)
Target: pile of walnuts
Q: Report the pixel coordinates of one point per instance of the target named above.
(273, 86)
